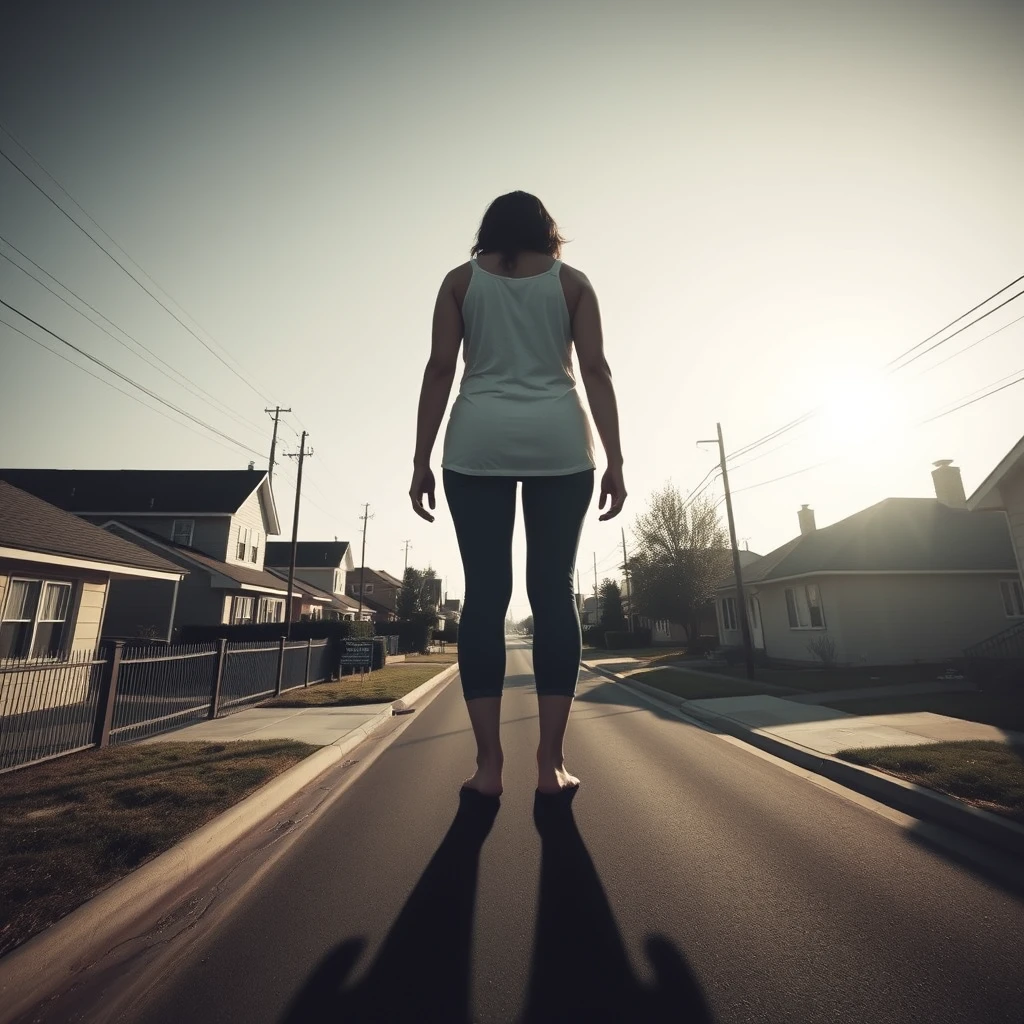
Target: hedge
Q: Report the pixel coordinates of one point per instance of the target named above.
(414, 635)
(621, 640)
(314, 629)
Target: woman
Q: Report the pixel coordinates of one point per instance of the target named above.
(518, 417)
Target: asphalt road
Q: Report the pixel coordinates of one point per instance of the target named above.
(690, 879)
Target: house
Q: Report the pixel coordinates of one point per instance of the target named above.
(212, 523)
(906, 580)
(1003, 490)
(380, 587)
(316, 603)
(55, 575)
(324, 563)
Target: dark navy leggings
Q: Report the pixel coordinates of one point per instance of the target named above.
(484, 511)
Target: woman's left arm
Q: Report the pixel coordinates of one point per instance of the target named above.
(446, 338)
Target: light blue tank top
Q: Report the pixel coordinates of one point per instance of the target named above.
(518, 412)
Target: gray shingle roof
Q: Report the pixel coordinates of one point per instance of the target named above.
(896, 535)
(200, 491)
(30, 524)
(310, 554)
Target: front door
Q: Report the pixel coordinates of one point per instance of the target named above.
(756, 632)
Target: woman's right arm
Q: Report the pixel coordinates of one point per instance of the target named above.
(597, 379)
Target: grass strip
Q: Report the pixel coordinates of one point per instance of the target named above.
(448, 658)
(1003, 710)
(983, 773)
(691, 686)
(71, 826)
(380, 687)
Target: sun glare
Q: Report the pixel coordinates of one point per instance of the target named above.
(856, 409)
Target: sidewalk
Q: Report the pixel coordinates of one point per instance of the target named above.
(322, 727)
(800, 717)
(809, 735)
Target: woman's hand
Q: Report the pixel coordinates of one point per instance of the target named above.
(613, 488)
(422, 483)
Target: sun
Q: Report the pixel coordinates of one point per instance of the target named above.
(856, 408)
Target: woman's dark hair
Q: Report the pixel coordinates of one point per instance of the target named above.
(517, 222)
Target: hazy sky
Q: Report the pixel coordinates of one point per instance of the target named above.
(772, 201)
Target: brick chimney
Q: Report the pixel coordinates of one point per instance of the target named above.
(949, 487)
(806, 517)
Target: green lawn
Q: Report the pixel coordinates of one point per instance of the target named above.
(986, 775)
(71, 826)
(386, 684)
(450, 656)
(1003, 710)
(691, 686)
(822, 680)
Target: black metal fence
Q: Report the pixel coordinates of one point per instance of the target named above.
(999, 659)
(127, 693)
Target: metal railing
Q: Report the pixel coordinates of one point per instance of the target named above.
(998, 659)
(126, 693)
(47, 707)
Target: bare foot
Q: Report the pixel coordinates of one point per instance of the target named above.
(486, 779)
(555, 779)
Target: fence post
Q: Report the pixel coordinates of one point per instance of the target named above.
(280, 666)
(218, 676)
(309, 653)
(107, 696)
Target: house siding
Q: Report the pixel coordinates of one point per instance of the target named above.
(135, 607)
(889, 619)
(209, 533)
(91, 600)
(1012, 493)
(249, 515)
(322, 578)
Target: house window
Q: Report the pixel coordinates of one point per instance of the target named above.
(254, 549)
(1013, 598)
(241, 610)
(368, 589)
(729, 613)
(338, 582)
(270, 609)
(181, 532)
(34, 619)
(753, 613)
(242, 547)
(804, 608)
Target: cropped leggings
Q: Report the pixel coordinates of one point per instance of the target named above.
(484, 510)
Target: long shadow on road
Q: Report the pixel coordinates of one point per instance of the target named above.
(580, 970)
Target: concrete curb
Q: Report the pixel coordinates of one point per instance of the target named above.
(903, 796)
(28, 973)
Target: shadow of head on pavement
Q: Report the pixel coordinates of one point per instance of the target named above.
(422, 972)
(580, 969)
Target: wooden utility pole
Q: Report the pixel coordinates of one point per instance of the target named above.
(625, 572)
(300, 455)
(276, 413)
(362, 561)
(748, 648)
(597, 614)
(405, 568)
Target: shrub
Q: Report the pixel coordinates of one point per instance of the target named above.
(824, 649)
(594, 636)
(450, 633)
(702, 645)
(620, 640)
(414, 635)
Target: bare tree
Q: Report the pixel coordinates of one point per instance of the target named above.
(681, 554)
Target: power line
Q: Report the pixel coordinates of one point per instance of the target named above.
(191, 386)
(115, 260)
(942, 341)
(111, 384)
(133, 383)
(961, 351)
(988, 394)
(957, 320)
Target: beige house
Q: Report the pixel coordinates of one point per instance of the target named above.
(907, 580)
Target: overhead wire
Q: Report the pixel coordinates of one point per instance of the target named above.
(134, 383)
(111, 384)
(115, 260)
(191, 386)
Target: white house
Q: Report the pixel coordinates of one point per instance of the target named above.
(906, 580)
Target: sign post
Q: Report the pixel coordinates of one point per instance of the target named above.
(357, 654)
